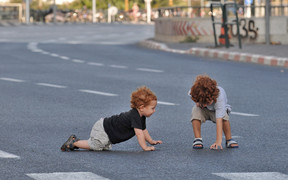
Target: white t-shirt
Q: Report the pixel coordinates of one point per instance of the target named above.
(221, 106)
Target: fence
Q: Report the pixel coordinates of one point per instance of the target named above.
(201, 11)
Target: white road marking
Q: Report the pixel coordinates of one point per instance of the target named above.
(54, 55)
(11, 79)
(66, 176)
(8, 155)
(44, 52)
(78, 61)
(167, 103)
(118, 66)
(51, 85)
(95, 64)
(36, 50)
(149, 70)
(97, 92)
(243, 114)
(64, 57)
(253, 176)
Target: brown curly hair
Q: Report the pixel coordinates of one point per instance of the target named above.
(204, 90)
(142, 96)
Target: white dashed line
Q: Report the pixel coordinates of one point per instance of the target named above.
(51, 85)
(149, 70)
(11, 79)
(244, 114)
(8, 155)
(118, 66)
(95, 64)
(64, 57)
(44, 52)
(66, 176)
(78, 61)
(253, 175)
(54, 55)
(167, 103)
(97, 92)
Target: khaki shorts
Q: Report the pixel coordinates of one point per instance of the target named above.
(99, 139)
(205, 114)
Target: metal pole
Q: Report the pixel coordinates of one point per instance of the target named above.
(27, 17)
(267, 22)
(93, 11)
(54, 11)
(148, 5)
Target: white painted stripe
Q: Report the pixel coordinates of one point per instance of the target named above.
(118, 66)
(54, 55)
(253, 176)
(167, 103)
(243, 114)
(8, 155)
(12, 80)
(51, 85)
(44, 52)
(64, 57)
(78, 61)
(95, 64)
(36, 50)
(97, 92)
(66, 176)
(149, 70)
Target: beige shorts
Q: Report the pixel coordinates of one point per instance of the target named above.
(99, 139)
(205, 114)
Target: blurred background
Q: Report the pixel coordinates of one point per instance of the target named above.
(46, 11)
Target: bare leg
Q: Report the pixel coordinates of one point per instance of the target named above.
(83, 144)
(196, 128)
(227, 131)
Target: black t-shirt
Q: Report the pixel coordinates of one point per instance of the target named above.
(120, 127)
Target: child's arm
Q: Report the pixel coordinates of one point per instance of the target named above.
(149, 139)
(141, 140)
(219, 129)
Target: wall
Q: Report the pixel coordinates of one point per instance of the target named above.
(252, 30)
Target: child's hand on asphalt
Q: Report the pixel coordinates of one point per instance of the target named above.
(216, 145)
(154, 142)
(150, 148)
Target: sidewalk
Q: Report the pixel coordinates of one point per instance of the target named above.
(272, 55)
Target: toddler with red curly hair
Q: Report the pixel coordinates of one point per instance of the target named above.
(121, 127)
(211, 104)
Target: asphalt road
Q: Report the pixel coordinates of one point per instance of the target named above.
(58, 80)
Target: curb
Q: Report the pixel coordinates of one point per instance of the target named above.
(229, 56)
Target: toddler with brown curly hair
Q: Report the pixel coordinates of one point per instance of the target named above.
(211, 104)
(121, 127)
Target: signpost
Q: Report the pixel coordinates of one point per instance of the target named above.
(148, 6)
(27, 17)
(93, 11)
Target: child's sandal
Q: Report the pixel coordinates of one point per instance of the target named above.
(231, 143)
(197, 143)
(68, 145)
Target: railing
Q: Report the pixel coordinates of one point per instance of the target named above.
(201, 11)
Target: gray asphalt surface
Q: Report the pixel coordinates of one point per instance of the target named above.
(36, 119)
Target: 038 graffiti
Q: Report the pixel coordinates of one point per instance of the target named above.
(247, 29)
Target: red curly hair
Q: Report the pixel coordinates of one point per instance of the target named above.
(204, 90)
(142, 96)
